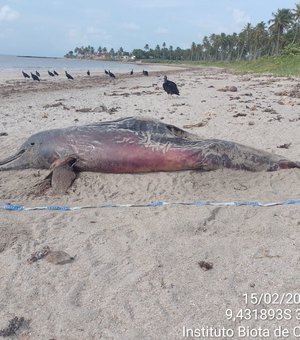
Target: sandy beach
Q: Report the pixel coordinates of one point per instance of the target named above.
(135, 271)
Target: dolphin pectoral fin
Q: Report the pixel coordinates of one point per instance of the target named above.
(63, 174)
(62, 178)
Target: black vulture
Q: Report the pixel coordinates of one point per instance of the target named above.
(131, 72)
(106, 72)
(37, 73)
(111, 74)
(50, 74)
(88, 73)
(25, 75)
(35, 77)
(170, 87)
(68, 75)
(145, 73)
(55, 73)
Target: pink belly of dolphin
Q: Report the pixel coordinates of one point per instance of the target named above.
(133, 158)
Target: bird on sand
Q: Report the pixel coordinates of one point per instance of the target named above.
(68, 75)
(145, 73)
(55, 73)
(111, 74)
(106, 72)
(35, 77)
(88, 73)
(37, 73)
(131, 72)
(50, 73)
(25, 75)
(170, 87)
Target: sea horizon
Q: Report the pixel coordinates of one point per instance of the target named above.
(44, 63)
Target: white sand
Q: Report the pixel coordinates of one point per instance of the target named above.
(136, 272)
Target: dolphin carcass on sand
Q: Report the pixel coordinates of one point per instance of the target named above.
(133, 145)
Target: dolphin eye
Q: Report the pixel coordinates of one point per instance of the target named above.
(32, 143)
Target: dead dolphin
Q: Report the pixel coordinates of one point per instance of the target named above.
(134, 145)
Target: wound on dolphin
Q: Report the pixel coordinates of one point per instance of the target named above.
(133, 145)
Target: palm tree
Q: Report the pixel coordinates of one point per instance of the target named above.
(245, 36)
(178, 53)
(193, 50)
(260, 39)
(157, 51)
(146, 48)
(206, 47)
(296, 16)
(199, 50)
(112, 52)
(164, 49)
(281, 21)
(120, 51)
(170, 52)
(223, 43)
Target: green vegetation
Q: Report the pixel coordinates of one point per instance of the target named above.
(278, 66)
(266, 48)
(285, 65)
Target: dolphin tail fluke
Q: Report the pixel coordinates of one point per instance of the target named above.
(286, 164)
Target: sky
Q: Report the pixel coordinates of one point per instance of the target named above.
(54, 27)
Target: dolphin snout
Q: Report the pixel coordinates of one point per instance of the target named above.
(15, 161)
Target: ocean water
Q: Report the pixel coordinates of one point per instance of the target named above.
(31, 64)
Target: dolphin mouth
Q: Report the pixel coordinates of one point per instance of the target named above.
(11, 158)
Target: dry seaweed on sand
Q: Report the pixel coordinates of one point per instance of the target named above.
(13, 325)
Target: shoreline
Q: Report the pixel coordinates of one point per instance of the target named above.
(34, 56)
(15, 77)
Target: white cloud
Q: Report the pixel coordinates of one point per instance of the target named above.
(8, 14)
(73, 33)
(161, 30)
(97, 33)
(92, 30)
(157, 3)
(237, 20)
(131, 27)
(88, 35)
(57, 4)
(239, 17)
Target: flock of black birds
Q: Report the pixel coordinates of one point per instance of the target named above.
(169, 86)
(36, 76)
(51, 74)
(110, 74)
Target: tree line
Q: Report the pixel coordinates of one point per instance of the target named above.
(281, 34)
